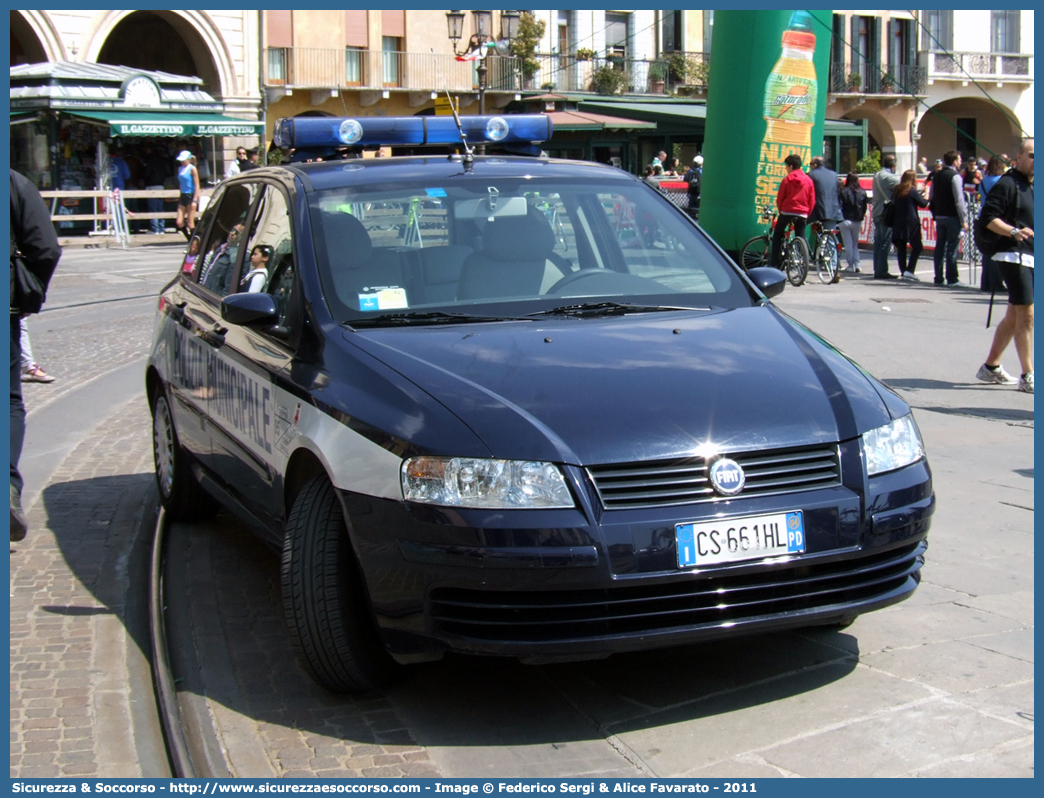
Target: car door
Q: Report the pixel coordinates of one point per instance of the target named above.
(245, 410)
(209, 268)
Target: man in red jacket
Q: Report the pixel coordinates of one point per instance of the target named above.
(795, 200)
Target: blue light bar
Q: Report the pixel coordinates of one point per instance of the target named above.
(376, 131)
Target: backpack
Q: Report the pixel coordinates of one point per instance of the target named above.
(987, 241)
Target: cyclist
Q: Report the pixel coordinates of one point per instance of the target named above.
(795, 200)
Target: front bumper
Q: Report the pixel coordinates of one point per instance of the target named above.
(587, 582)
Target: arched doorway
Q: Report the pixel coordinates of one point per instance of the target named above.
(971, 126)
(26, 48)
(161, 42)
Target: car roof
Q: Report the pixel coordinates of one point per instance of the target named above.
(336, 174)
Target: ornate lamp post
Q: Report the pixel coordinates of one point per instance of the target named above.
(481, 41)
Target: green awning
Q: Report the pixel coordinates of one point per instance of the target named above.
(144, 123)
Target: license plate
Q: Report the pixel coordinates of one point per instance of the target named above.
(736, 539)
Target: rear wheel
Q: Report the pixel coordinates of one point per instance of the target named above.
(181, 495)
(756, 252)
(827, 258)
(325, 600)
(795, 259)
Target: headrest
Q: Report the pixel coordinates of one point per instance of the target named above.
(512, 238)
(347, 242)
(443, 264)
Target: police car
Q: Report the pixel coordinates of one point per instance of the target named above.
(511, 405)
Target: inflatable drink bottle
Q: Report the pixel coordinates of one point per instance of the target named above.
(791, 89)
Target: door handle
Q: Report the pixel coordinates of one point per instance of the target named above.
(215, 336)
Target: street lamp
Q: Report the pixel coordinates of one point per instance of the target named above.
(480, 41)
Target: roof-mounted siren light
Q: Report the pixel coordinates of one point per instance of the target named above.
(373, 132)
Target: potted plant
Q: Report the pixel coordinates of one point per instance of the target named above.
(657, 77)
(699, 73)
(584, 54)
(525, 43)
(549, 86)
(887, 83)
(677, 67)
(855, 80)
(606, 79)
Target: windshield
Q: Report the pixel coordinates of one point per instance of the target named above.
(512, 247)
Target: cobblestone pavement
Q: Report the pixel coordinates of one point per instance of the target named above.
(73, 596)
(269, 717)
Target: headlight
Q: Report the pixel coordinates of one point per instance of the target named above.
(892, 446)
(469, 482)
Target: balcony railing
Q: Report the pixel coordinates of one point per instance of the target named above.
(902, 79)
(315, 68)
(979, 66)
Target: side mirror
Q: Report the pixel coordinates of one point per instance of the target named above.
(769, 281)
(251, 310)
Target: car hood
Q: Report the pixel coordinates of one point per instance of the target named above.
(637, 387)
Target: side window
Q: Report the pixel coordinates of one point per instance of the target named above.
(219, 254)
(269, 264)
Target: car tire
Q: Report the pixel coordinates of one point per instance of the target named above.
(324, 598)
(180, 493)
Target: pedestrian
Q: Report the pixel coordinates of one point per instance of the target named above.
(936, 168)
(950, 211)
(119, 172)
(235, 166)
(906, 229)
(670, 167)
(922, 167)
(971, 175)
(990, 279)
(251, 161)
(883, 185)
(34, 256)
(31, 371)
(827, 211)
(188, 201)
(853, 201)
(157, 171)
(694, 179)
(1008, 212)
(795, 200)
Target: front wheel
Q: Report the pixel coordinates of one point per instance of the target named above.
(827, 258)
(756, 252)
(796, 260)
(325, 600)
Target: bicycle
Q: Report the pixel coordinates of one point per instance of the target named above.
(758, 251)
(827, 256)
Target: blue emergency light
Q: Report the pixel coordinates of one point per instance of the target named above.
(305, 133)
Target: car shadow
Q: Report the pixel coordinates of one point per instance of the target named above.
(241, 656)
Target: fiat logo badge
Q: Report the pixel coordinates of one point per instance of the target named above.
(727, 477)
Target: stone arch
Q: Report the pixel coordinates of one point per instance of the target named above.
(879, 127)
(999, 129)
(39, 39)
(196, 29)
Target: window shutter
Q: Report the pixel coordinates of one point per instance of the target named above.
(355, 29)
(393, 23)
(280, 28)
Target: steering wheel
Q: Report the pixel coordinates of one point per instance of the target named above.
(576, 276)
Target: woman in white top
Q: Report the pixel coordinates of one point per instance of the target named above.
(254, 280)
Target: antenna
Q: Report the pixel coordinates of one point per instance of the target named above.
(469, 153)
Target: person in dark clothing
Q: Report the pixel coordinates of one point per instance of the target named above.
(694, 178)
(853, 201)
(907, 226)
(1008, 212)
(250, 162)
(35, 244)
(157, 170)
(950, 211)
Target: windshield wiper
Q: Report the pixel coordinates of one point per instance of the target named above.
(432, 317)
(593, 309)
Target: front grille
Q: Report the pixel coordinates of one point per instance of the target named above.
(586, 614)
(684, 481)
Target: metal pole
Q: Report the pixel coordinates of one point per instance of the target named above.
(480, 149)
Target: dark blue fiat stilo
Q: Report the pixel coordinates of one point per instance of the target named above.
(511, 405)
